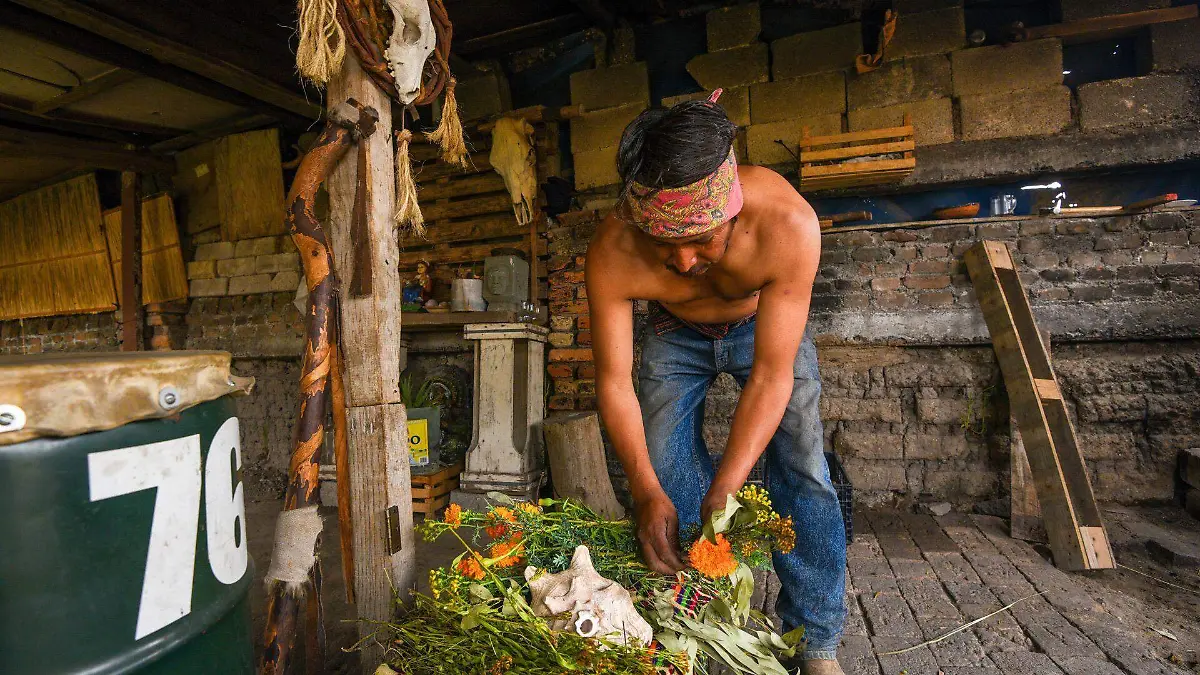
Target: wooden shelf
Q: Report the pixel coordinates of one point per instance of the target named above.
(431, 321)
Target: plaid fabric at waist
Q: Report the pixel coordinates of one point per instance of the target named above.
(664, 322)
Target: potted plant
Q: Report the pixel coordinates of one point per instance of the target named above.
(418, 400)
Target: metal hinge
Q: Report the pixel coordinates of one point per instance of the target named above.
(394, 543)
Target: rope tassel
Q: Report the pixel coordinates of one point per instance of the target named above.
(449, 133)
(322, 41)
(408, 211)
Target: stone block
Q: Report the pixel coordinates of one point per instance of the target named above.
(1190, 471)
(611, 87)
(941, 445)
(816, 51)
(1075, 10)
(1151, 99)
(202, 269)
(279, 262)
(760, 138)
(731, 67)
(204, 288)
(1032, 112)
(596, 168)
(953, 411)
(235, 267)
(603, 128)
(1191, 502)
(872, 475)
(255, 247)
(861, 410)
(735, 102)
(734, 26)
(285, 281)
(251, 285)
(933, 120)
(935, 32)
(483, 95)
(1174, 45)
(1001, 68)
(912, 79)
(215, 251)
(807, 96)
(868, 445)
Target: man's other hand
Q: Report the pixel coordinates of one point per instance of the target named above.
(658, 534)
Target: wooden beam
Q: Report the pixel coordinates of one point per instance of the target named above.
(96, 154)
(235, 125)
(132, 312)
(506, 40)
(94, 86)
(1110, 26)
(20, 111)
(370, 340)
(141, 50)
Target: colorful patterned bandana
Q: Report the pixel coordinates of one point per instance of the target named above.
(691, 209)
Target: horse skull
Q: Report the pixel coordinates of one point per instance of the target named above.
(412, 40)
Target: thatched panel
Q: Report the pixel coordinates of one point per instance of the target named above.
(249, 181)
(54, 259)
(164, 276)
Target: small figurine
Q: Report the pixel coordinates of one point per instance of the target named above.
(425, 280)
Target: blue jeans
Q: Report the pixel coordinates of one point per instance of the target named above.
(676, 372)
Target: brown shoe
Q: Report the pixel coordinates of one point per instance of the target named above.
(820, 667)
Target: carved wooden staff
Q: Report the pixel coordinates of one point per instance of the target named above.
(289, 566)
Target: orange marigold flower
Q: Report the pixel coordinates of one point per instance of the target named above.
(453, 515)
(500, 517)
(506, 553)
(470, 568)
(713, 560)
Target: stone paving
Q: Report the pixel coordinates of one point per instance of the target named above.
(913, 577)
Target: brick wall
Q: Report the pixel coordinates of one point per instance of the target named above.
(72, 333)
(913, 399)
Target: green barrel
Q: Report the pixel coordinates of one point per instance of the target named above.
(124, 550)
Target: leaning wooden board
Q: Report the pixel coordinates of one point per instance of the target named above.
(1069, 511)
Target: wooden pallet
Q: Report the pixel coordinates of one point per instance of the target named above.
(432, 491)
(845, 160)
(1069, 510)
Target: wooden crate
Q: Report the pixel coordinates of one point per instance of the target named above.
(431, 492)
(857, 158)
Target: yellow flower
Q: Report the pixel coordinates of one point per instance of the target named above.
(453, 515)
(529, 507)
(713, 560)
(784, 532)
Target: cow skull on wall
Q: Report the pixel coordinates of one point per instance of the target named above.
(412, 40)
(512, 157)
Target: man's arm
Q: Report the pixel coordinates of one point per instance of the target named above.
(611, 310)
(782, 316)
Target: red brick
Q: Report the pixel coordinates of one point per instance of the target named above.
(936, 299)
(584, 337)
(940, 281)
(587, 372)
(899, 235)
(579, 261)
(885, 283)
(572, 277)
(586, 387)
(575, 354)
(578, 308)
(584, 322)
(581, 292)
(893, 300)
(562, 403)
(929, 267)
(560, 370)
(586, 403)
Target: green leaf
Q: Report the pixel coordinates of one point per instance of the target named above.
(481, 592)
(722, 518)
(794, 637)
(471, 618)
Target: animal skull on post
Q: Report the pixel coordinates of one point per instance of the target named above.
(512, 157)
(412, 40)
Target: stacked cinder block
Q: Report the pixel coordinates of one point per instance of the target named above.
(1011, 90)
(246, 267)
(611, 97)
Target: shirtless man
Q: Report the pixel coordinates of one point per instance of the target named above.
(726, 255)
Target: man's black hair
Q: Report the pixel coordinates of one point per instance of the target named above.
(672, 147)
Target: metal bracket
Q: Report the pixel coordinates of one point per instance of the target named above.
(394, 543)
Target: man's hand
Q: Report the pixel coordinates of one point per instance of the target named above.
(658, 534)
(716, 499)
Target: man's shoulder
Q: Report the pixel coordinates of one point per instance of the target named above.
(778, 206)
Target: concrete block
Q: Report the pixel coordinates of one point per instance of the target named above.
(935, 32)
(235, 267)
(215, 251)
(1001, 68)
(206, 288)
(1191, 502)
(933, 120)
(1175, 45)
(1151, 99)
(808, 96)
(483, 95)
(1190, 471)
(251, 285)
(611, 87)
(735, 102)
(280, 262)
(731, 67)
(1033, 112)
(760, 138)
(202, 269)
(1074, 10)
(816, 51)
(286, 281)
(912, 79)
(603, 128)
(731, 27)
(253, 247)
(596, 168)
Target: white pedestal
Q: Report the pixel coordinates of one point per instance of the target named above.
(506, 453)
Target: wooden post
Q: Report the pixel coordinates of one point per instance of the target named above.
(381, 495)
(132, 312)
(577, 464)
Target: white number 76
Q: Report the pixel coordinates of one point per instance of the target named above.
(174, 468)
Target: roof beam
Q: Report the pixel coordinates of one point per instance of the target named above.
(19, 111)
(94, 86)
(143, 50)
(527, 35)
(96, 154)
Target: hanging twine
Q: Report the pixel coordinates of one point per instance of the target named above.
(449, 133)
(408, 212)
(322, 41)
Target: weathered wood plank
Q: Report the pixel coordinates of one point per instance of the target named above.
(462, 208)
(462, 254)
(133, 315)
(427, 170)
(475, 229)
(460, 186)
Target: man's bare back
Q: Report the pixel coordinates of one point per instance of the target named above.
(759, 246)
